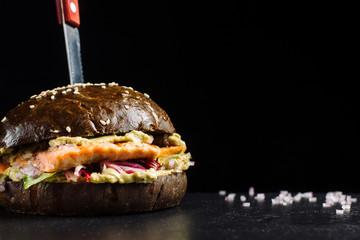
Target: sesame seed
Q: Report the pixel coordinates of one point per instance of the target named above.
(38, 97)
(76, 92)
(54, 131)
(63, 92)
(103, 87)
(108, 121)
(33, 96)
(126, 107)
(68, 90)
(32, 106)
(146, 95)
(68, 129)
(52, 97)
(4, 119)
(103, 122)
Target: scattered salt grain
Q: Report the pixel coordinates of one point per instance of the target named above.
(346, 207)
(251, 191)
(260, 197)
(242, 198)
(230, 197)
(339, 212)
(326, 205)
(307, 195)
(297, 197)
(222, 192)
(246, 204)
(313, 199)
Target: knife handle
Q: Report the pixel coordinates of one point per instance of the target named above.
(70, 9)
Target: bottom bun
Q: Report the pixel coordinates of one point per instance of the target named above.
(94, 199)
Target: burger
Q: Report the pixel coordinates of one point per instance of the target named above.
(90, 149)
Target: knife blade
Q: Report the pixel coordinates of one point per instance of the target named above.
(69, 17)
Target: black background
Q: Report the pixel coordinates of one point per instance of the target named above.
(261, 91)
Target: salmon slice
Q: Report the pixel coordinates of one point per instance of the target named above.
(3, 167)
(69, 156)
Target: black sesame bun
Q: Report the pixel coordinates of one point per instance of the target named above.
(87, 110)
(82, 110)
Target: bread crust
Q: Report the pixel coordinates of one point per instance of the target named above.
(89, 199)
(85, 110)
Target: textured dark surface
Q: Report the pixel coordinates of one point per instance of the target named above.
(86, 113)
(199, 216)
(94, 199)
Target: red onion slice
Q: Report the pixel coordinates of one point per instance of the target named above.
(147, 163)
(86, 173)
(114, 166)
(124, 165)
(78, 169)
(71, 176)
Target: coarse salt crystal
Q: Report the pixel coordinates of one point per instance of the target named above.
(246, 204)
(260, 196)
(339, 212)
(297, 197)
(326, 205)
(242, 198)
(346, 207)
(230, 197)
(313, 199)
(307, 195)
(251, 191)
(222, 192)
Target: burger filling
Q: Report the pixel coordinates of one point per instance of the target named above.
(133, 157)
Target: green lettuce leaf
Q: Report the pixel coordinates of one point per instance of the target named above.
(29, 181)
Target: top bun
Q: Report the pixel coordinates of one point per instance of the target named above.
(82, 110)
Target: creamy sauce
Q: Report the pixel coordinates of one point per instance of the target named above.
(133, 136)
(179, 162)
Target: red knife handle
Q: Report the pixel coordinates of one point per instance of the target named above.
(71, 12)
